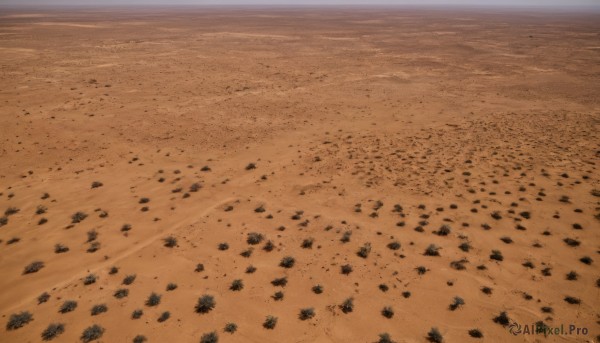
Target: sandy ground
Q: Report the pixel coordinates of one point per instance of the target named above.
(470, 130)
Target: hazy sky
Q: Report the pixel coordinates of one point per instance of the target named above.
(309, 2)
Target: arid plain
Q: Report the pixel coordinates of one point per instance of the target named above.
(170, 173)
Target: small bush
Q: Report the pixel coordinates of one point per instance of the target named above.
(465, 247)
(164, 316)
(346, 269)
(348, 305)
(96, 184)
(254, 238)
(250, 269)
(502, 319)
(394, 245)
(306, 313)
(287, 262)
(52, 331)
(10, 211)
(41, 209)
(572, 300)
(475, 333)
(387, 312)
(346, 237)
(42, 298)
(195, 187)
(486, 290)
(59, 248)
(318, 289)
(237, 285)
(77, 217)
(129, 279)
(90, 279)
(496, 255)
(270, 322)
(140, 339)
(269, 246)
(199, 268)
(572, 276)
(170, 242)
(444, 230)
(205, 304)
(364, 251)
(230, 327)
(307, 243)
(18, 320)
(435, 336)
(126, 228)
(223, 246)
(68, 306)
(421, 270)
(385, 338)
(279, 281)
(586, 260)
(432, 250)
(171, 286)
(92, 235)
(210, 337)
(121, 293)
(92, 333)
(33, 267)
(277, 296)
(571, 242)
(137, 314)
(153, 299)
(97, 309)
(250, 166)
(246, 253)
(458, 301)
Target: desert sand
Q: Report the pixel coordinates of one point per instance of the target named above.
(283, 161)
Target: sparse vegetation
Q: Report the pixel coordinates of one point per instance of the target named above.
(237, 285)
(432, 250)
(164, 316)
(78, 217)
(456, 303)
(129, 279)
(364, 251)
(52, 331)
(270, 322)
(306, 313)
(42, 298)
(92, 333)
(137, 314)
(346, 269)
(254, 238)
(121, 293)
(387, 312)
(170, 242)
(68, 306)
(153, 299)
(206, 303)
(435, 336)
(89, 279)
(97, 309)
(348, 305)
(475, 333)
(230, 327)
(18, 320)
(33, 267)
(502, 319)
(287, 262)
